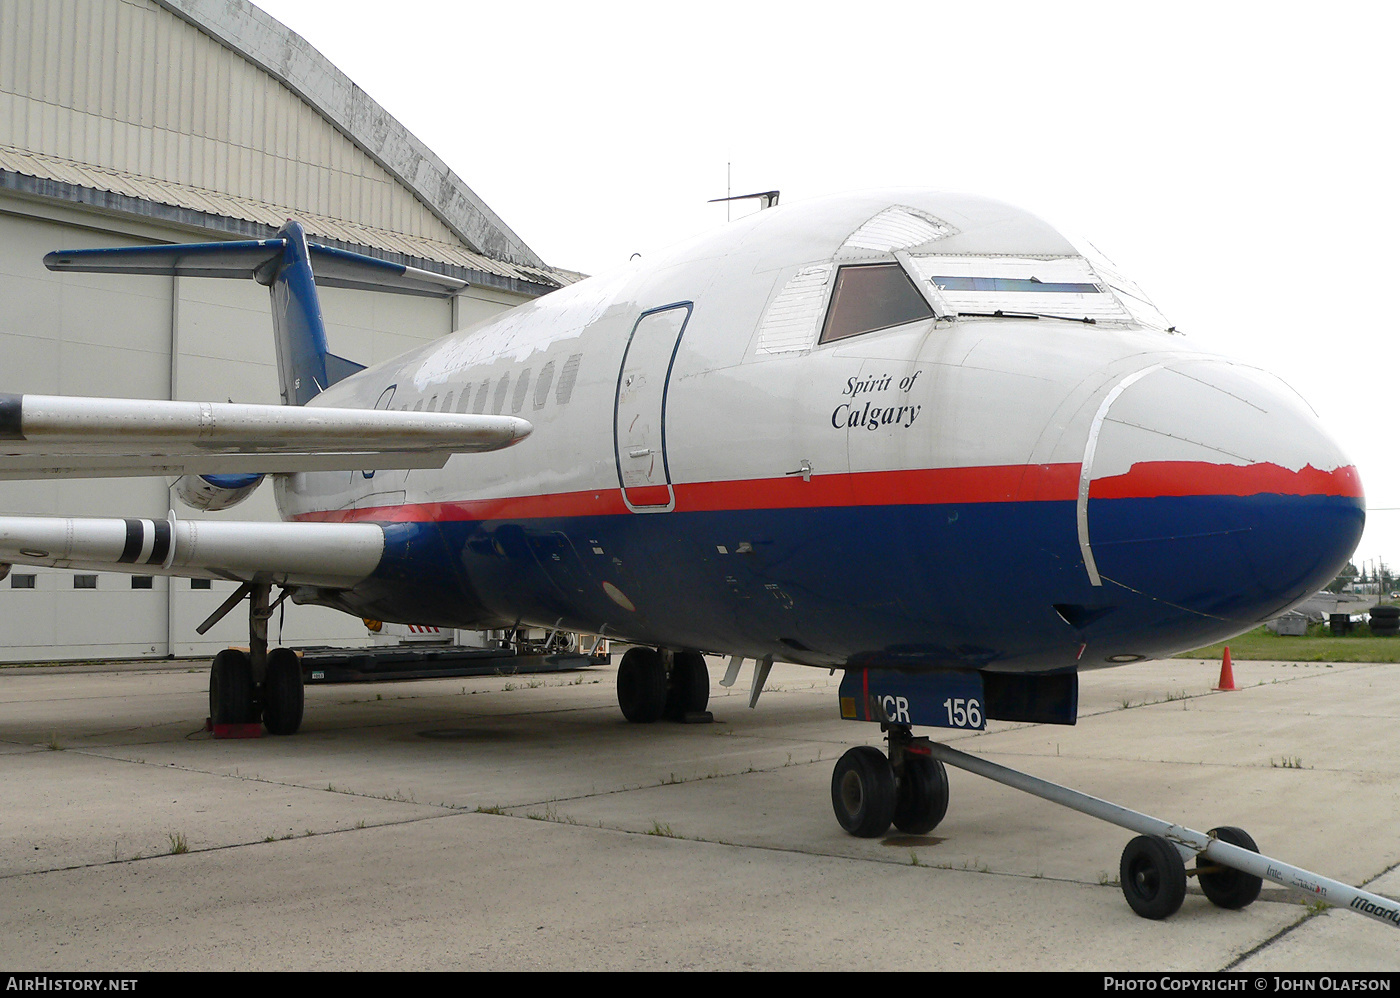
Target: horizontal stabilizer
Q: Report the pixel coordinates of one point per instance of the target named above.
(256, 259)
(338, 368)
(54, 436)
(329, 555)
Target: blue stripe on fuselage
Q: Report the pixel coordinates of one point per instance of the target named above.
(967, 585)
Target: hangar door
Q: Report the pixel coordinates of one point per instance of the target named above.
(639, 426)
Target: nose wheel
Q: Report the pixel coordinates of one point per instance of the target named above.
(909, 788)
(863, 792)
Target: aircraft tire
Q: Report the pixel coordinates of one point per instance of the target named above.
(1153, 876)
(921, 800)
(1231, 888)
(688, 688)
(284, 693)
(863, 793)
(231, 688)
(641, 685)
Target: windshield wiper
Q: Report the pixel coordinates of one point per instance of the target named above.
(1003, 314)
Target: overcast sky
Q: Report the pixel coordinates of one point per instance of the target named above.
(1237, 160)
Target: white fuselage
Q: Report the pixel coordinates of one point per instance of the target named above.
(677, 399)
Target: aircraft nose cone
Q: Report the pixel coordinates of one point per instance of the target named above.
(1212, 488)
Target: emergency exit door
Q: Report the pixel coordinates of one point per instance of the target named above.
(639, 425)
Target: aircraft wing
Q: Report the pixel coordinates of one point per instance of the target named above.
(329, 555)
(52, 436)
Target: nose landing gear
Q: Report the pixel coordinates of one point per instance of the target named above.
(865, 795)
(909, 789)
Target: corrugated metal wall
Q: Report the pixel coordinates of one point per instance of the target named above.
(127, 86)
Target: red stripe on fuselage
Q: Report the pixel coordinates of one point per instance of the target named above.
(926, 487)
(1198, 478)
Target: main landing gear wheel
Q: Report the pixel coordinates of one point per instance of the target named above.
(921, 800)
(863, 792)
(688, 687)
(1153, 876)
(641, 685)
(284, 694)
(231, 688)
(1226, 887)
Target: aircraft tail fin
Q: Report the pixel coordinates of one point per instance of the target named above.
(299, 329)
(305, 366)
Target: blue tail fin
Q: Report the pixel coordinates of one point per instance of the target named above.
(305, 366)
(296, 319)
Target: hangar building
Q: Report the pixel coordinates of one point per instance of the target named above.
(125, 122)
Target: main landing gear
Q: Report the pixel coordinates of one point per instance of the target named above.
(256, 684)
(910, 789)
(652, 684)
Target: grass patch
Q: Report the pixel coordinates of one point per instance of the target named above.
(1263, 644)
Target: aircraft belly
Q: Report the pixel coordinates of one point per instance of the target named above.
(817, 585)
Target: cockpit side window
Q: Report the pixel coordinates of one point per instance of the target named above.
(874, 296)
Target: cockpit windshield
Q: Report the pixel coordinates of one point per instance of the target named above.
(870, 297)
(1070, 287)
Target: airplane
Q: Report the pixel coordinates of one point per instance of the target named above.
(827, 433)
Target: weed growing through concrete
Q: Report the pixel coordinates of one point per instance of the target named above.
(178, 843)
(657, 828)
(1288, 762)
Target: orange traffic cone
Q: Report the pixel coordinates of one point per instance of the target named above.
(1227, 674)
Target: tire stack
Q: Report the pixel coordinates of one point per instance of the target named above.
(1385, 621)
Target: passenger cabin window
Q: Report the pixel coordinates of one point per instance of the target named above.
(870, 297)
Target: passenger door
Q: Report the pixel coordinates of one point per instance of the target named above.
(639, 425)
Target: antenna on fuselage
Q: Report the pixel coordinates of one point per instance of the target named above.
(766, 199)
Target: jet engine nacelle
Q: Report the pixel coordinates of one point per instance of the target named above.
(214, 492)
